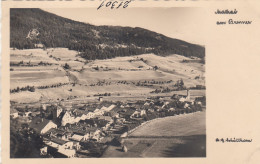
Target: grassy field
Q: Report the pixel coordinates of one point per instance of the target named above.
(129, 69)
(170, 67)
(176, 136)
(37, 78)
(187, 146)
(180, 125)
(88, 76)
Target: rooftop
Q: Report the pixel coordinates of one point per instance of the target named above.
(77, 137)
(38, 123)
(58, 141)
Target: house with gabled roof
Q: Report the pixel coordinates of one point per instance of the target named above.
(107, 118)
(65, 148)
(182, 98)
(107, 109)
(70, 153)
(138, 114)
(98, 112)
(42, 125)
(68, 118)
(14, 115)
(112, 114)
(77, 137)
(58, 133)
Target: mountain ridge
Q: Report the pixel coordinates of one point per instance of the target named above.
(33, 27)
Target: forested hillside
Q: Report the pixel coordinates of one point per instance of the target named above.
(31, 28)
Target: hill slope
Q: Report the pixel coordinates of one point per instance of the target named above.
(34, 27)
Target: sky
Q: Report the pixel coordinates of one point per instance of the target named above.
(181, 23)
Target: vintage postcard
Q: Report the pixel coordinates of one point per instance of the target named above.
(115, 81)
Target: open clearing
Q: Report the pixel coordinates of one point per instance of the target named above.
(88, 76)
(180, 125)
(176, 136)
(170, 67)
(37, 78)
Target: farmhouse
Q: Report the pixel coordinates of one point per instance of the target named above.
(182, 98)
(112, 114)
(100, 99)
(61, 148)
(70, 153)
(126, 113)
(150, 110)
(98, 112)
(80, 136)
(27, 114)
(94, 133)
(58, 133)
(77, 137)
(42, 125)
(107, 109)
(68, 118)
(138, 114)
(107, 118)
(76, 145)
(83, 114)
(120, 120)
(38, 45)
(171, 109)
(14, 115)
(186, 105)
(59, 143)
(44, 107)
(90, 115)
(44, 150)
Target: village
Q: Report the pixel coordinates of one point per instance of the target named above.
(86, 130)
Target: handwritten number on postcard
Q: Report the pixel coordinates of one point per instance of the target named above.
(114, 4)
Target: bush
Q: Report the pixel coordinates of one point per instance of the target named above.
(31, 89)
(66, 66)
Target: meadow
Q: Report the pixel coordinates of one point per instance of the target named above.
(119, 76)
(175, 136)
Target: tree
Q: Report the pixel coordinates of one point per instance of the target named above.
(181, 83)
(66, 66)
(24, 143)
(31, 89)
(155, 67)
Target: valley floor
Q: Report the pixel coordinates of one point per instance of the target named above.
(101, 100)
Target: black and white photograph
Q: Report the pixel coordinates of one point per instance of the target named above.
(96, 83)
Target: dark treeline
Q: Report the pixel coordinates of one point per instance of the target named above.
(32, 88)
(31, 27)
(28, 64)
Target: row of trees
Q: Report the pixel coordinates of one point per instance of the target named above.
(52, 86)
(27, 88)
(32, 88)
(104, 94)
(29, 64)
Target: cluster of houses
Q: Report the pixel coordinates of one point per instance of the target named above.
(63, 130)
